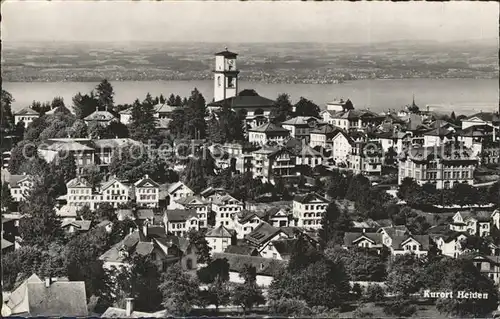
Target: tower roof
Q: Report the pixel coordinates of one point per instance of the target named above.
(227, 54)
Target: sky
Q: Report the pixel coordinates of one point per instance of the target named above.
(251, 21)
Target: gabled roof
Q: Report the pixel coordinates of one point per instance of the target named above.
(246, 215)
(307, 198)
(165, 108)
(123, 213)
(263, 266)
(480, 216)
(270, 127)
(19, 294)
(262, 233)
(145, 213)
(175, 186)
(308, 151)
(78, 182)
(485, 116)
(6, 244)
(100, 116)
(240, 249)
(325, 129)
(180, 215)
(143, 182)
(399, 240)
(115, 143)
(81, 225)
(392, 231)
(67, 145)
(351, 238)
(224, 199)
(133, 242)
(109, 183)
(67, 211)
(440, 131)
(26, 111)
(192, 201)
(301, 120)
(285, 247)
(221, 232)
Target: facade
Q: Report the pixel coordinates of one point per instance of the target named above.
(442, 166)
(102, 118)
(245, 222)
(202, 207)
(481, 118)
(475, 223)
(26, 115)
(342, 145)
(20, 186)
(180, 221)
(451, 245)
(309, 209)
(322, 136)
(300, 127)
(367, 240)
(352, 119)
(309, 156)
(366, 158)
(268, 133)
(225, 75)
(225, 208)
(269, 163)
(147, 192)
(115, 192)
(219, 239)
(177, 191)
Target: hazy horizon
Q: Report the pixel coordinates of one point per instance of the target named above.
(248, 22)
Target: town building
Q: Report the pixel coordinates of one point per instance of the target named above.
(268, 133)
(246, 221)
(101, 118)
(19, 185)
(473, 222)
(309, 209)
(352, 119)
(481, 118)
(225, 208)
(300, 127)
(451, 244)
(219, 238)
(367, 240)
(201, 205)
(180, 221)
(442, 166)
(322, 136)
(309, 156)
(366, 158)
(342, 144)
(339, 105)
(176, 191)
(269, 163)
(26, 115)
(147, 192)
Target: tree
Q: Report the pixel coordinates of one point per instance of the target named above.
(6, 116)
(142, 125)
(289, 307)
(360, 264)
(401, 307)
(218, 268)
(303, 254)
(179, 290)
(403, 275)
(248, 294)
(195, 125)
(78, 129)
(84, 105)
(19, 129)
(337, 184)
(67, 166)
(176, 125)
(282, 108)
(85, 213)
(476, 244)
(92, 174)
(333, 224)
(218, 293)
(348, 105)
(8, 203)
(82, 263)
(194, 176)
(40, 226)
(171, 100)
(305, 107)
(105, 96)
(197, 238)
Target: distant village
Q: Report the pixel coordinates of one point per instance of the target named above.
(246, 205)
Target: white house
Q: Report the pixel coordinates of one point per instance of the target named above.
(225, 208)
(147, 192)
(475, 223)
(245, 222)
(363, 240)
(268, 132)
(201, 205)
(219, 239)
(80, 193)
(115, 192)
(309, 209)
(177, 191)
(342, 145)
(20, 186)
(26, 115)
(481, 118)
(451, 245)
(180, 221)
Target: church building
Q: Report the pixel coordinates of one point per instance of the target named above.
(257, 108)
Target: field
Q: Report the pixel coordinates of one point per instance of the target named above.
(262, 62)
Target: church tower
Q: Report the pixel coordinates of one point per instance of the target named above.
(226, 75)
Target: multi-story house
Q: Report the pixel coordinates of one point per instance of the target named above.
(242, 154)
(451, 245)
(219, 238)
(262, 237)
(269, 163)
(80, 193)
(147, 192)
(400, 241)
(309, 209)
(342, 145)
(488, 266)
(268, 133)
(201, 205)
(438, 136)
(366, 158)
(322, 136)
(246, 221)
(300, 127)
(442, 166)
(225, 208)
(180, 221)
(20, 186)
(309, 156)
(26, 115)
(366, 240)
(280, 217)
(352, 119)
(474, 223)
(114, 192)
(177, 191)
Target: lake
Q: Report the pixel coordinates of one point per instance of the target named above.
(464, 96)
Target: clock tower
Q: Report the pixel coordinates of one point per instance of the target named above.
(226, 75)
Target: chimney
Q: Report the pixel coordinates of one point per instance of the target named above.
(145, 228)
(48, 281)
(129, 306)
